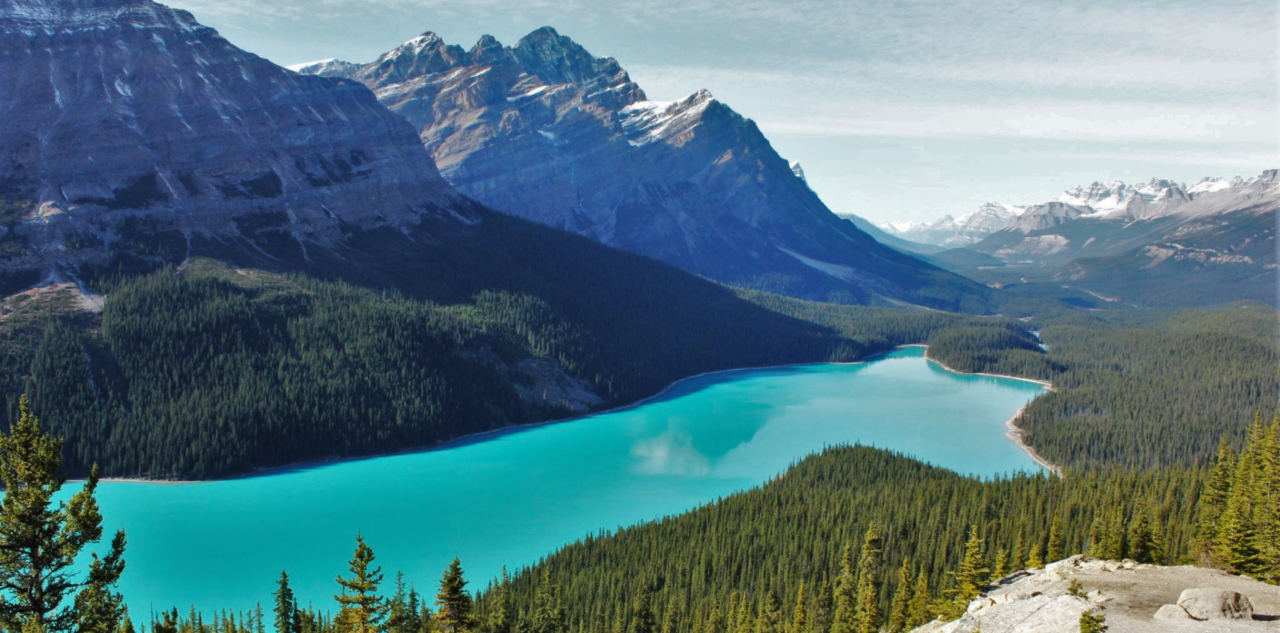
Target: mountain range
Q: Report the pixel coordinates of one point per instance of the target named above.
(199, 248)
(1158, 242)
(546, 131)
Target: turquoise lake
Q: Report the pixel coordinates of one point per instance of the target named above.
(511, 497)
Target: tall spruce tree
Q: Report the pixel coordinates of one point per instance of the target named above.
(1055, 552)
(920, 610)
(800, 613)
(769, 617)
(867, 614)
(972, 576)
(44, 590)
(845, 596)
(453, 603)
(642, 618)
(899, 609)
(500, 618)
(549, 612)
(1213, 500)
(286, 607)
(361, 609)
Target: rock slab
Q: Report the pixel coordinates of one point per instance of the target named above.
(1207, 603)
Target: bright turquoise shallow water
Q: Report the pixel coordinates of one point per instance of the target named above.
(512, 497)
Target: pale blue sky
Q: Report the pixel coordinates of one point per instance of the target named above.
(897, 110)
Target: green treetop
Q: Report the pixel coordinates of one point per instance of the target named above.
(360, 608)
(40, 541)
(453, 601)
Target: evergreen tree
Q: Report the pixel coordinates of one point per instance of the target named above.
(360, 608)
(453, 603)
(972, 576)
(1055, 552)
(1001, 569)
(286, 610)
(823, 610)
(1113, 541)
(40, 541)
(920, 610)
(800, 613)
(501, 618)
(867, 614)
(1034, 559)
(845, 597)
(1213, 501)
(769, 618)
(899, 609)
(549, 613)
(1142, 537)
(715, 622)
(642, 618)
(1238, 537)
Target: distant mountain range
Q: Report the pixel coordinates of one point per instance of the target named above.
(1158, 242)
(546, 131)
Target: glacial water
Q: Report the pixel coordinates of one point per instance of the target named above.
(511, 497)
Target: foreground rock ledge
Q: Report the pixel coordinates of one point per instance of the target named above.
(1134, 598)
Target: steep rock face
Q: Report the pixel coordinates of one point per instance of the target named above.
(548, 132)
(126, 111)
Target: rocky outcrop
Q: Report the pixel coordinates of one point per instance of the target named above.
(1133, 598)
(548, 132)
(1207, 603)
(126, 113)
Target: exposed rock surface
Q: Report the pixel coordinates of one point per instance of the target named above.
(1134, 599)
(1215, 604)
(546, 131)
(125, 111)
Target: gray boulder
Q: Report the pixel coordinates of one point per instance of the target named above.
(1171, 612)
(1215, 604)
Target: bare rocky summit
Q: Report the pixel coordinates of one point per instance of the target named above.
(546, 131)
(1134, 598)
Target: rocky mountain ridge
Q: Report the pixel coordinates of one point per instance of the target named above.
(124, 113)
(546, 131)
(1115, 200)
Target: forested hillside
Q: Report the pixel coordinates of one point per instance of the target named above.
(215, 368)
(738, 561)
(1134, 389)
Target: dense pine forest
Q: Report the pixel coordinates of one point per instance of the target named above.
(1133, 389)
(209, 371)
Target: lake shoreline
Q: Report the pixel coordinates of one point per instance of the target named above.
(1014, 434)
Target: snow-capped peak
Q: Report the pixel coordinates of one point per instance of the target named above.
(1210, 185)
(798, 171)
(648, 121)
(308, 65)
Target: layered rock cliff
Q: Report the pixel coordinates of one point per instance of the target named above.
(125, 113)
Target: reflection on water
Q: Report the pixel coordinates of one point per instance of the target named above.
(671, 453)
(514, 496)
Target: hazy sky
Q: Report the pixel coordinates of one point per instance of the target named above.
(896, 110)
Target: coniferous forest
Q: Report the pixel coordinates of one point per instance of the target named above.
(211, 370)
